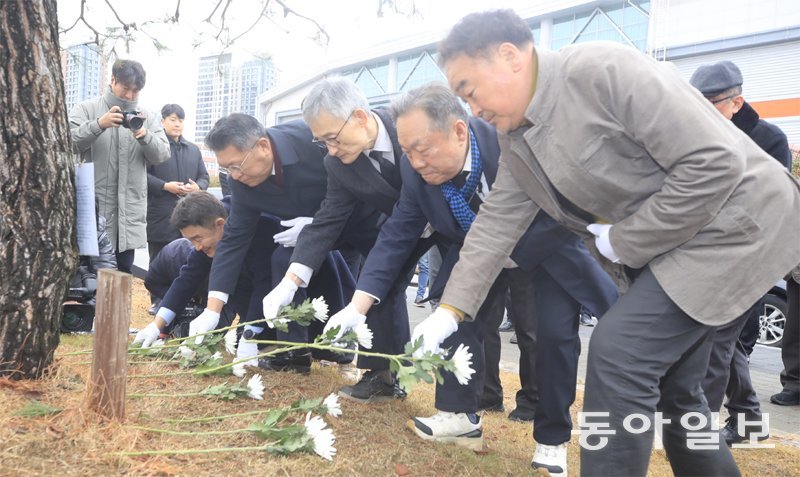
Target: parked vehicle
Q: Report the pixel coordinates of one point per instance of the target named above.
(772, 319)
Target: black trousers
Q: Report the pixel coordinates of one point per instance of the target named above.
(790, 353)
(729, 370)
(125, 260)
(646, 356)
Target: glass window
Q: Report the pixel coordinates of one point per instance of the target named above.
(424, 71)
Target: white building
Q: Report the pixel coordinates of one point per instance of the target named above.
(224, 87)
(83, 68)
(762, 37)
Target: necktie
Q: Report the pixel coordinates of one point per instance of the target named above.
(389, 171)
(458, 197)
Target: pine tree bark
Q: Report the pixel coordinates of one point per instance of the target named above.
(38, 249)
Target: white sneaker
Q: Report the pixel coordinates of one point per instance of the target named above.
(550, 460)
(450, 427)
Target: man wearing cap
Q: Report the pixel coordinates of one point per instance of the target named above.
(721, 83)
(728, 371)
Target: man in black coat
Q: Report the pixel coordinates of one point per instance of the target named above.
(363, 186)
(168, 181)
(728, 370)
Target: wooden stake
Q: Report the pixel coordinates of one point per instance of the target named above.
(106, 388)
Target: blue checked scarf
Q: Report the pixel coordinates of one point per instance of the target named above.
(459, 199)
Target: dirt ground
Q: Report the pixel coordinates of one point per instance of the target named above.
(371, 440)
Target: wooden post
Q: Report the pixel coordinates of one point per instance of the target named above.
(106, 389)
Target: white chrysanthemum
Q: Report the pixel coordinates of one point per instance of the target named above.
(186, 352)
(238, 370)
(364, 335)
(462, 358)
(230, 341)
(332, 405)
(323, 438)
(255, 387)
(320, 308)
(216, 355)
(157, 344)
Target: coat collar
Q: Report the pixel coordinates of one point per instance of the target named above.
(746, 118)
(547, 84)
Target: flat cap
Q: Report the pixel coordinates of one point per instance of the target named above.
(713, 79)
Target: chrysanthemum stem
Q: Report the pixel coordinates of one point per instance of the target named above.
(195, 451)
(188, 433)
(163, 395)
(216, 418)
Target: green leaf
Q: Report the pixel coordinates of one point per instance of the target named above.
(37, 409)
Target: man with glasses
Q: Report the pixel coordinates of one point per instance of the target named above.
(363, 180)
(728, 370)
(275, 172)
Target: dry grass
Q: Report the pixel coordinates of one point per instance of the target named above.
(371, 440)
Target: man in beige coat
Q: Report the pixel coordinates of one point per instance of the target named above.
(604, 139)
(121, 146)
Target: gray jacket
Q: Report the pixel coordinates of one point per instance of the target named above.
(120, 166)
(628, 141)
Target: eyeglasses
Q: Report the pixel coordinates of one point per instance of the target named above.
(238, 167)
(726, 98)
(334, 141)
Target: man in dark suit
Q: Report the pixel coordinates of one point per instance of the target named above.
(441, 144)
(363, 186)
(276, 171)
(179, 273)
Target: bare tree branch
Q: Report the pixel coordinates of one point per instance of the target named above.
(210, 15)
(81, 18)
(222, 16)
(258, 19)
(125, 26)
(287, 11)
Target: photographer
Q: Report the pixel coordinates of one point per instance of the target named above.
(120, 156)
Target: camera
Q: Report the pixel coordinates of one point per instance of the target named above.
(78, 309)
(133, 120)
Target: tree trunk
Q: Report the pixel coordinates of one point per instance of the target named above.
(37, 208)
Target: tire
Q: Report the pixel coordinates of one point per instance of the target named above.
(772, 320)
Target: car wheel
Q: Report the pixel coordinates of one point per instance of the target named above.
(772, 320)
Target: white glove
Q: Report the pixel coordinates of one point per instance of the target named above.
(147, 335)
(280, 296)
(434, 330)
(346, 319)
(204, 323)
(288, 238)
(602, 240)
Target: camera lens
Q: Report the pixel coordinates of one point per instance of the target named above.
(136, 122)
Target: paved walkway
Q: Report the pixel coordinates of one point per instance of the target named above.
(765, 367)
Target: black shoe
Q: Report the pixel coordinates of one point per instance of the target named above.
(153, 309)
(420, 302)
(786, 398)
(521, 415)
(587, 319)
(372, 388)
(513, 339)
(506, 325)
(730, 433)
(296, 361)
(491, 406)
